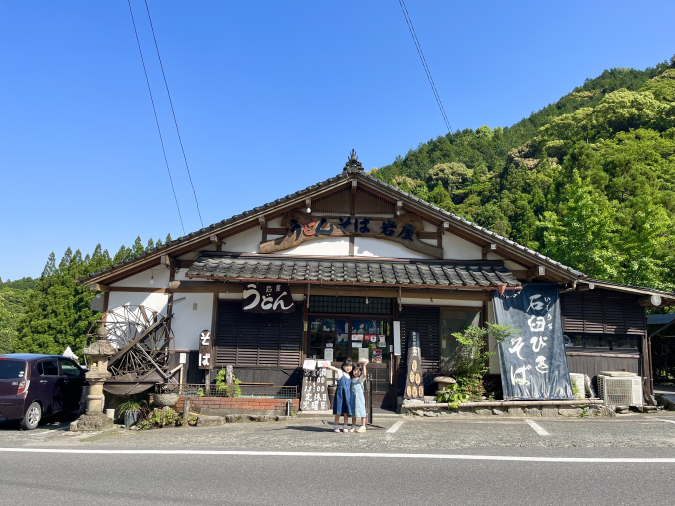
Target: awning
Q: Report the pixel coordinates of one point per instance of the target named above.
(352, 271)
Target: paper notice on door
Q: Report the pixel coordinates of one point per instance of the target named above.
(356, 345)
(382, 338)
(328, 354)
(355, 337)
(363, 354)
(310, 365)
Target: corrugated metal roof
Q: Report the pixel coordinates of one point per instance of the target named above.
(362, 270)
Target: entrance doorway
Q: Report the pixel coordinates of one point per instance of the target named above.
(337, 337)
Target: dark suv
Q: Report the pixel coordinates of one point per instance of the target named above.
(35, 386)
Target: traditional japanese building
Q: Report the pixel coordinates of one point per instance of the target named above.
(328, 271)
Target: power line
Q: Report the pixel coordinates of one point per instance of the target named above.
(173, 112)
(159, 130)
(424, 61)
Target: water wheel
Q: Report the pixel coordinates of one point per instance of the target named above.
(142, 338)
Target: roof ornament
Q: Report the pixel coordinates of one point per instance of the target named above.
(353, 164)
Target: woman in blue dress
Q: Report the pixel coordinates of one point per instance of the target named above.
(358, 401)
(342, 404)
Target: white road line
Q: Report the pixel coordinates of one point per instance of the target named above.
(395, 427)
(606, 460)
(662, 420)
(537, 428)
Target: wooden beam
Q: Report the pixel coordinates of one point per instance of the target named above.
(354, 183)
(582, 287)
(399, 207)
(490, 248)
(427, 235)
(213, 238)
(99, 288)
(536, 272)
(650, 300)
(166, 261)
(439, 233)
(277, 231)
(263, 227)
(308, 205)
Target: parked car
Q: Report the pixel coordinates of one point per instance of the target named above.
(36, 386)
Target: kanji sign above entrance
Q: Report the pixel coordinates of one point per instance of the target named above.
(304, 227)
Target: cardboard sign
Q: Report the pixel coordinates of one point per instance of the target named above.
(267, 298)
(204, 359)
(314, 396)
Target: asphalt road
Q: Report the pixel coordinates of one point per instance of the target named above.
(34, 477)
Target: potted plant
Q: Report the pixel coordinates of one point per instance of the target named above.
(129, 410)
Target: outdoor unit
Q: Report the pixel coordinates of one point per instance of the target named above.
(578, 379)
(620, 390)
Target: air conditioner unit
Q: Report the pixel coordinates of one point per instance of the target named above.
(620, 390)
(578, 379)
(616, 373)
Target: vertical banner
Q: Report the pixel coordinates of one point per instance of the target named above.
(414, 387)
(533, 363)
(205, 350)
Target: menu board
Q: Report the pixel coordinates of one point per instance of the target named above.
(314, 396)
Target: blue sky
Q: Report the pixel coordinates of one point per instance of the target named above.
(270, 98)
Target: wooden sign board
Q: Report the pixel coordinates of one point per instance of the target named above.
(205, 358)
(314, 396)
(304, 227)
(267, 298)
(414, 380)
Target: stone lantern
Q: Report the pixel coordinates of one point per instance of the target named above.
(99, 353)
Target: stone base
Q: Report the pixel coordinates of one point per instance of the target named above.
(96, 422)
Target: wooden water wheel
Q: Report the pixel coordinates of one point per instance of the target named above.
(142, 338)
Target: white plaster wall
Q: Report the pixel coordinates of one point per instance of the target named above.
(371, 247)
(142, 279)
(247, 241)
(187, 322)
(409, 301)
(156, 301)
(330, 246)
(494, 361)
(456, 248)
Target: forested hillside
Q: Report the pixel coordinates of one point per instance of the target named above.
(48, 314)
(589, 180)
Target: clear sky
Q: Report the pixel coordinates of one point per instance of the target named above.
(270, 98)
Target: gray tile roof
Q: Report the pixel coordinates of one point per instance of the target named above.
(371, 270)
(318, 186)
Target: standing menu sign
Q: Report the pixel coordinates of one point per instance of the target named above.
(533, 363)
(414, 388)
(314, 395)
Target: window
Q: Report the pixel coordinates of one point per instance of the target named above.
(12, 369)
(620, 342)
(69, 369)
(454, 320)
(349, 305)
(48, 368)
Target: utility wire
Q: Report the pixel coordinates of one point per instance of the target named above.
(424, 61)
(173, 112)
(159, 130)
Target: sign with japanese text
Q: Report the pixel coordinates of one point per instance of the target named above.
(314, 396)
(414, 380)
(533, 363)
(305, 227)
(267, 298)
(205, 350)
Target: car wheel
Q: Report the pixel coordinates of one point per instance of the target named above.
(32, 417)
